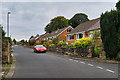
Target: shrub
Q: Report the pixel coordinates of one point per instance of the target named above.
(59, 44)
(55, 41)
(42, 41)
(52, 45)
(37, 44)
(62, 43)
(82, 43)
(118, 56)
(97, 50)
(45, 44)
(9, 38)
(69, 46)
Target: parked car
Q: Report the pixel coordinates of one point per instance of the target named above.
(39, 48)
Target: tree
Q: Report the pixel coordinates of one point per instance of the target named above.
(95, 37)
(25, 41)
(118, 5)
(56, 23)
(77, 19)
(9, 38)
(31, 37)
(55, 41)
(96, 43)
(109, 30)
(3, 32)
(22, 41)
(14, 41)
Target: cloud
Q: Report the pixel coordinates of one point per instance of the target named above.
(30, 18)
(60, 1)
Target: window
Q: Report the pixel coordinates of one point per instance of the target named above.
(70, 37)
(91, 34)
(86, 34)
(54, 36)
(68, 30)
(79, 36)
(39, 46)
(50, 39)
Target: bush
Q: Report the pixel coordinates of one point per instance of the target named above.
(69, 46)
(97, 50)
(82, 43)
(37, 44)
(52, 45)
(42, 41)
(62, 43)
(45, 44)
(9, 38)
(55, 41)
(59, 44)
(118, 56)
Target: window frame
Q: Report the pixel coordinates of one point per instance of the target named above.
(79, 34)
(69, 38)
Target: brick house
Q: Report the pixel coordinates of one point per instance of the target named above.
(60, 33)
(83, 30)
(40, 38)
(32, 41)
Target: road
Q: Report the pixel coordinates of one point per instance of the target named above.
(42, 65)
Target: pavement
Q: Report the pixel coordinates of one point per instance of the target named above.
(12, 68)
(44, 65)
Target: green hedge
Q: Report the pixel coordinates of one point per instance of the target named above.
(110, 25)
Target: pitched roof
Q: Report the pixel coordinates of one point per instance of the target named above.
(57, 32)
(41, 36)
(87, 26)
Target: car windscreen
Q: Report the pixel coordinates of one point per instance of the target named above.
(39, 46)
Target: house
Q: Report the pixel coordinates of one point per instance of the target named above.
(60, 33)
(40, 38)
(32, 41)
(83, 30)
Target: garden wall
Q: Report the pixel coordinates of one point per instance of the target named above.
(81, 52)
(6, 51)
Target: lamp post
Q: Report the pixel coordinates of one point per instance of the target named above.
(8, 23)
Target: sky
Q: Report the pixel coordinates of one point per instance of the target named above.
(30, 17)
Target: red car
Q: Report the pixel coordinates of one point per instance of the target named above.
(39, 48)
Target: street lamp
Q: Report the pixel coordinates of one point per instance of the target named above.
(8, 23)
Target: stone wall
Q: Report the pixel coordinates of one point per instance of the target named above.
(87, 52)
(6, 51)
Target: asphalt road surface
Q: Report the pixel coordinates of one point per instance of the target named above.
(42, 65)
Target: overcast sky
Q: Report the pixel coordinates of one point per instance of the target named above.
(30, 18)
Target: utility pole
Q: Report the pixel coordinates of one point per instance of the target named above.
(8, 23)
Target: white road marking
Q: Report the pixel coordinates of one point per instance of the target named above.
(82, 62)
(90, 65)
(110, 70)
(99, 67)
(70, 59)
(76, 60)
